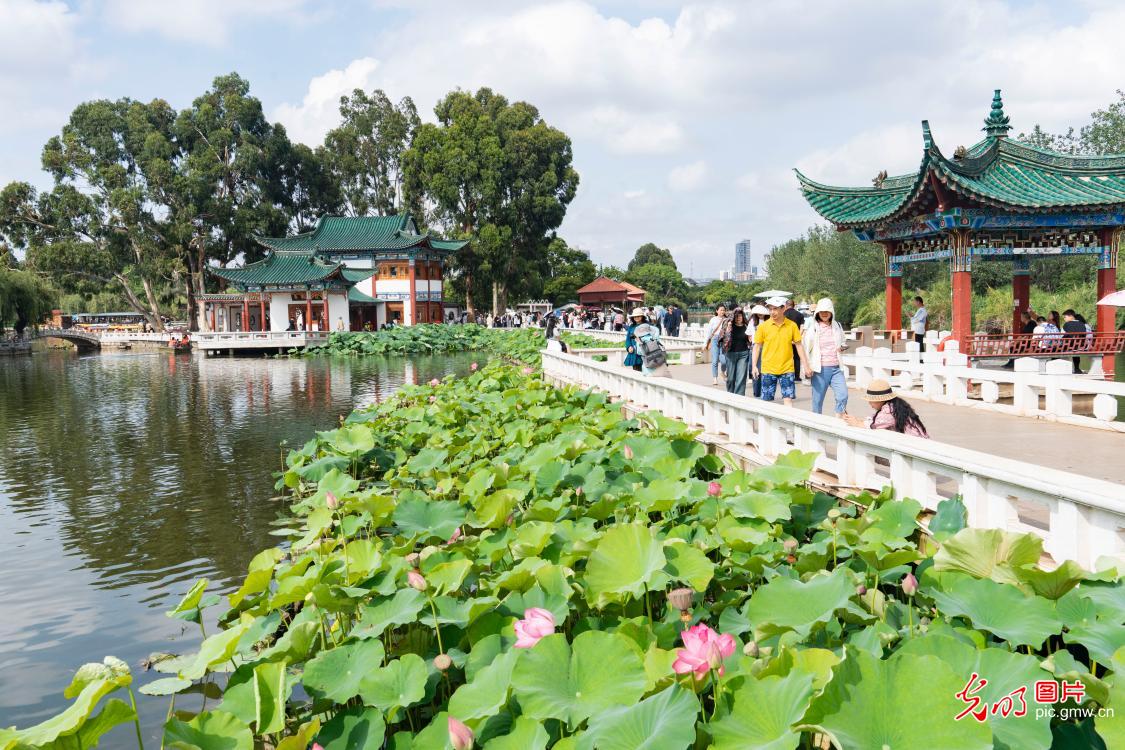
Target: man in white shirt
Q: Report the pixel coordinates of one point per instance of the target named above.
(918, 322)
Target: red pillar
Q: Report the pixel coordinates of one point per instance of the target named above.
(308, 311)
(325, 325)
(410, 316)
(1021, 292)
(245, 313)
(1107, 316)
(213, 329)
(893, 319)
(962, 308)
(262, 311)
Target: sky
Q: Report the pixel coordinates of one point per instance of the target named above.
(687, 119)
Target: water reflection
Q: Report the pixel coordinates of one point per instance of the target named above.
(125, 477)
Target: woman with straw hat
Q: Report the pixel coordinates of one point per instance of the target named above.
(891, 411)
(633, 358)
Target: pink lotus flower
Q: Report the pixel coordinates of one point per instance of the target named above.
(316, 746)
(460, 736)
(703, 650)
(714, 489)
(331, 501)
(527, 371)
(435, 382)
(415, 580)
(456, 535)
(473, 367)
(536, 623)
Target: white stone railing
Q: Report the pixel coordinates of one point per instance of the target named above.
(688, 354)
(668, 341)
(258, 339)
(1043, 389)
(1079, 518)
(110, 337)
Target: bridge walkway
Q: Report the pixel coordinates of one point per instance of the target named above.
(1098, 454)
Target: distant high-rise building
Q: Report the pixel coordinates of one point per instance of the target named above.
(742, 257)
(726, 274)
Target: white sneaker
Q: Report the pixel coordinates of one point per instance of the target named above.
(714, 381)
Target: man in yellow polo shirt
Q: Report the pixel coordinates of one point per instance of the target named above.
(774, 340)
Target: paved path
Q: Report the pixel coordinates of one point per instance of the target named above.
(1082, 450)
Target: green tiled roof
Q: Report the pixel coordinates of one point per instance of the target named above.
(347, 233)
(356, 275)
(997, 171)
(280, 267)
(354, 295)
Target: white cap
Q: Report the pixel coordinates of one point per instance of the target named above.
(759, 310)
(775, 302)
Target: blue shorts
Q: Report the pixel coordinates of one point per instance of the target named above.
(769, 385)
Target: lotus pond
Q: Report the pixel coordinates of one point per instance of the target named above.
(489, 561)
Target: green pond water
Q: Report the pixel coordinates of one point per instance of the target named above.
(126, 477)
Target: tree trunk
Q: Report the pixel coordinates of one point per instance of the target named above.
(495, 300)
(136, 304)
(153, 305)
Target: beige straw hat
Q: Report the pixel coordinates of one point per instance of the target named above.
(879, 390)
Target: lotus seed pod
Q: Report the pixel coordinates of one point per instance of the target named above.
(751, 649)
(925, 621)
(412, 559)
(442, 662)
(680, 598)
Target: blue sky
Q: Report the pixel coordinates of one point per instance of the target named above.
(687, 119)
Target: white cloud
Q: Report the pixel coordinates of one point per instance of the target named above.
(202, 21)
(319, 111)
(688, 176)
(633, 194)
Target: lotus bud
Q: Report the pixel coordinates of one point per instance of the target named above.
(455, 536)
(628, 453)
(433, 399)
(442, 662)
(680, 599)
(473, 367)
(412, 559)
(861, 589)
(416, 581)
(435, 382)
(316, 746)
(714, 489)
(460, 736)
(578, 491)
(751, 649)
(527, 371)
(790, 559)
(331, 501)
(510, 519)
(909, 584)
(790, 544)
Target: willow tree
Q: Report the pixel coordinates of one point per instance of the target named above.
(25, 298)
(497, 174)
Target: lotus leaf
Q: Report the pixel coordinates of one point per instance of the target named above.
(665, 721)
(400, 684)
(400, 609)
(788, 604)
(488, 691)
(357, 728)
(525, 734)
(989, 553)
(1002, 610)
(763, 712)
(339, 673)
(429, 518)
(898, 704)
(950, 517)
(210, 730)
(552, 680)
(627, 560)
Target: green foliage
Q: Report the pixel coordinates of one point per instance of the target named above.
(827, 263)
(25, 298)
(662, 283)
(568, 270)
(363, 154)
(457, 507)
(495, 172)
(649, 254)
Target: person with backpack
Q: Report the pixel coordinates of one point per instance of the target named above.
(654, 359)
(633, 358)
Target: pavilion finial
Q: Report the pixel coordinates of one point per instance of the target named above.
(996, 124)
(927, 139)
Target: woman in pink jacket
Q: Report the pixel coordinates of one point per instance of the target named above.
(891, 412)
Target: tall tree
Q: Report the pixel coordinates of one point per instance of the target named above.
(569, 269)
(493, 172)
(649, 254)
(364, 154)
(25, 298)
(99, 225)
(662, 283)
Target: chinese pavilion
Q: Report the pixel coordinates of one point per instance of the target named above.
(999, 199)
(604, 290)
(348, 273)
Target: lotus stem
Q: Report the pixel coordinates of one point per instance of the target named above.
(137, 718)
(437, 626)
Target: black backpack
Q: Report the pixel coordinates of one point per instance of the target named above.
(652, 351)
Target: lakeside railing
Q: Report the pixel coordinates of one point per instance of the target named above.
(1079, 518)
(211, 340)
(1034, 388)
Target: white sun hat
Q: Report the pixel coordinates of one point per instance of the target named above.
(775, 302)
(638, 312)
(825, 305)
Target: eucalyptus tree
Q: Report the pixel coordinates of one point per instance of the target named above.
(98, 225)
(496, 173)
(364, 154)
